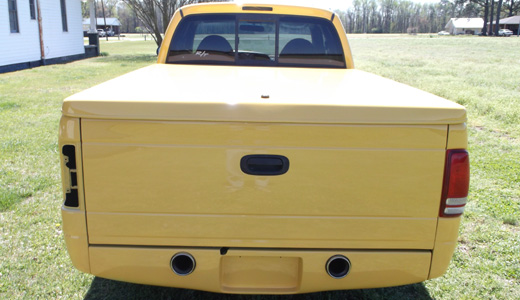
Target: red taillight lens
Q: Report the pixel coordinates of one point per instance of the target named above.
(456, 183)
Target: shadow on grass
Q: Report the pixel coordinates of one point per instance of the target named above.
(110, 289)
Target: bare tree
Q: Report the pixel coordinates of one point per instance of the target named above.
(490, 32)
(498, 17)
(513, 7)
(486, 16)
(155, 14)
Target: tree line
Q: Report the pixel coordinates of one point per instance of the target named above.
(365, 16)
(405, 16)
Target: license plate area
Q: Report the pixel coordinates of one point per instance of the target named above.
(242, 274)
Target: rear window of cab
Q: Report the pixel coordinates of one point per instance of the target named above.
(256, 40)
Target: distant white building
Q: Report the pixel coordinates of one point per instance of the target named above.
(464, 26)
(512, 23)
(112, 24)
(27, 40)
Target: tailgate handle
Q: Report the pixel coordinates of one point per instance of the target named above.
(264, 164)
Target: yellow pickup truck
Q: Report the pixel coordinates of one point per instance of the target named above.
(254, 158)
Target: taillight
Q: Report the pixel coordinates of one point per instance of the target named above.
(456, 183)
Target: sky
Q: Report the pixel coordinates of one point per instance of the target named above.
(327, 4)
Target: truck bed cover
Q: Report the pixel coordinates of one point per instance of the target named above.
(259, 94)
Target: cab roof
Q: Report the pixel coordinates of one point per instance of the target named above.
(232, 7)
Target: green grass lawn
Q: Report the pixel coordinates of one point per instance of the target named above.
(481, 73)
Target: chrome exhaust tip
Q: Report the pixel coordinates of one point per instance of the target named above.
(338, 266)
(182, 264)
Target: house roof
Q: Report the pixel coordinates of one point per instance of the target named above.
(466, 22)
(511, 20)
(101, 21)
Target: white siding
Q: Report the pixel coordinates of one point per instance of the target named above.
(464, 30)
(25, 46)
(18, 47)
(57, 42)
(461, 25)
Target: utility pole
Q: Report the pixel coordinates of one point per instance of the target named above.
(104, 18)
(40, 30)
(92, 17)
(93, 38)
(499, 8)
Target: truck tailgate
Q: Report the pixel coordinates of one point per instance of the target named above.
(169, 183)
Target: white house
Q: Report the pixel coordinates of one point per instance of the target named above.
(39, 32)
(512, 23)
(464, 25)
(112, 24)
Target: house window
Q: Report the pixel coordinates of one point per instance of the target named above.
(32, 9)
(64, 16)
(13, 16)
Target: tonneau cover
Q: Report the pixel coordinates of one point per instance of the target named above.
(261, 94)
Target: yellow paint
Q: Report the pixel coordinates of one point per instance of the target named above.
(152, 177)
(458, 136)
(296, 95)
(237, 8)
(74, 219)
(249, 273)
(305, 271)
(75, 233)
(445, 243)
(158, 163)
